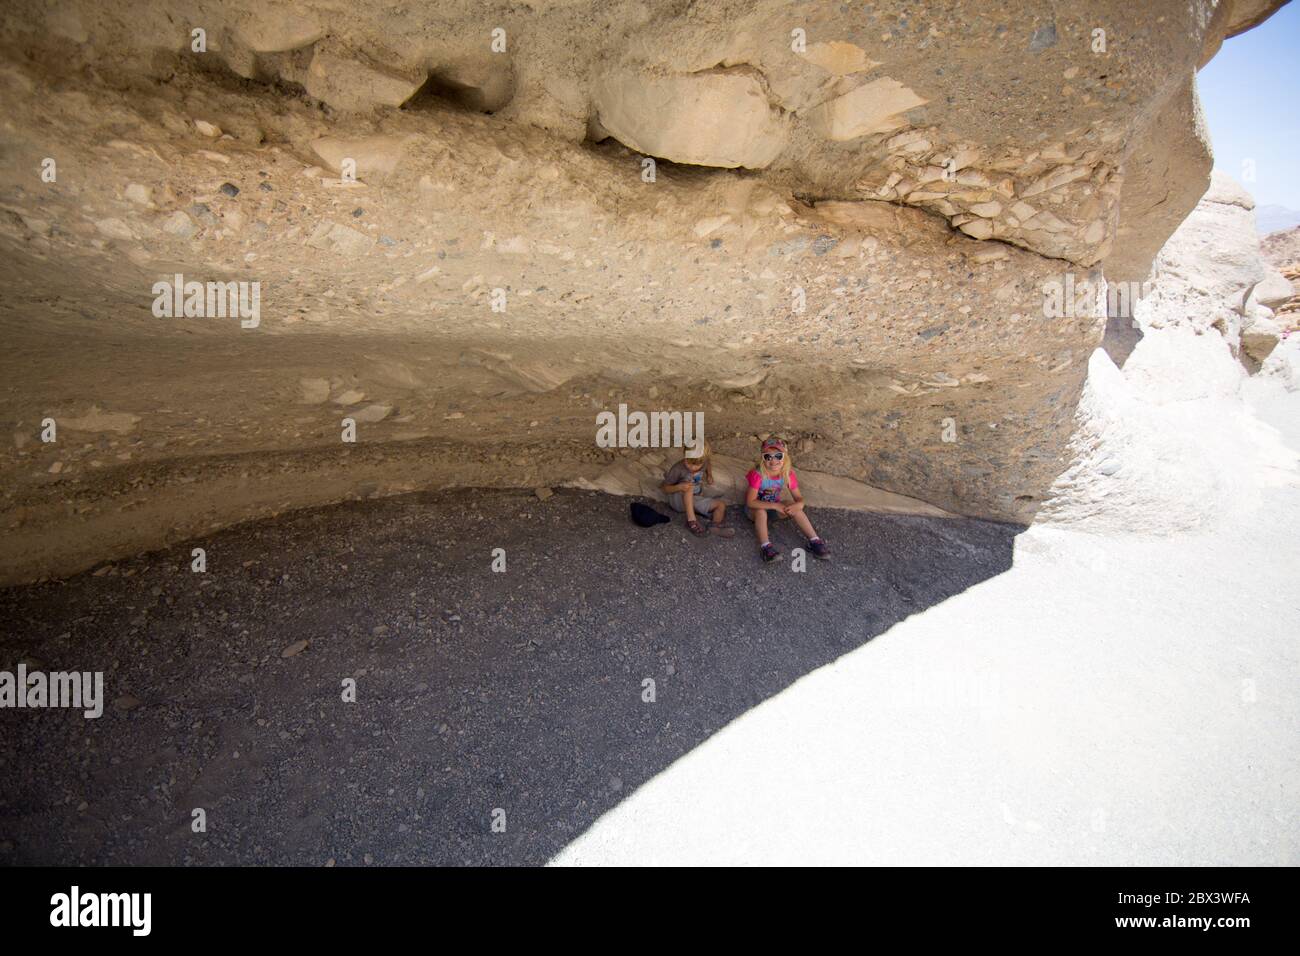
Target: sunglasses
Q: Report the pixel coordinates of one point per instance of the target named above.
(773, 456)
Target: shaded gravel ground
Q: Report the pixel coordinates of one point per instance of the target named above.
(476, 690)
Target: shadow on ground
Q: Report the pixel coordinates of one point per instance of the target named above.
(476, 690)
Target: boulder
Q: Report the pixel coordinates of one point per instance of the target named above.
(351, 82)
(1273, 290)
(275, 28)
(716, 118)
(1260, 337)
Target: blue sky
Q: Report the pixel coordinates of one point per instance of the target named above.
(1251, 95)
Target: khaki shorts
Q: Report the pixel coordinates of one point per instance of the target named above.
(703, 505)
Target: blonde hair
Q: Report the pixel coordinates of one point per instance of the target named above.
(785, 461)
(701, 452)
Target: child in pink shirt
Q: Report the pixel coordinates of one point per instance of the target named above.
(766, 483)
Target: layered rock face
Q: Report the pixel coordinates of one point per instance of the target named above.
(473, 227)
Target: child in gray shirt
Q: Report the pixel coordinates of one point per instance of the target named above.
(687, 486)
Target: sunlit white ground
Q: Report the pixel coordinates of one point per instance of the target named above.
(1110, 700)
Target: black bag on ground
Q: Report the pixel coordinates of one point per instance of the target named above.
(646, 516)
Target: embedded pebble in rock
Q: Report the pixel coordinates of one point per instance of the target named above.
(839, 57)
(114, 228)
(370, 156)
(977, 228)
(315, 391)
(372, 413)
(340, 240)
(96, 419)
(179, 224)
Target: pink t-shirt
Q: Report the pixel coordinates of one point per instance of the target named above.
(769, 489)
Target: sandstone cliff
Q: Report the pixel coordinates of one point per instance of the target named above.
(473, 226)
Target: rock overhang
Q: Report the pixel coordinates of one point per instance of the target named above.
(878, 295)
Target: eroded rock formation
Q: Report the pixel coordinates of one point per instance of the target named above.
(473, 226)
(1169, 442)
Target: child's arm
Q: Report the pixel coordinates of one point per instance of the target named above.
(675, 486)
(751, 501)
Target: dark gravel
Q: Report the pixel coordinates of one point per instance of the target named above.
(476, 690)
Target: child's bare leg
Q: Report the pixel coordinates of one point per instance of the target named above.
(688, 500)
(719, 512)
(804, 524)
(760, 524)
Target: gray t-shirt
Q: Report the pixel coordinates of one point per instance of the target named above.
(679, 473)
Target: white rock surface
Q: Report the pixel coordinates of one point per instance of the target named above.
(1170, 442)
(1283, 364)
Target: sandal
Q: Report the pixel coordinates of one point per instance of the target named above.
(769, 552)
(696, 528)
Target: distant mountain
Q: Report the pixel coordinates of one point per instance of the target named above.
(1275, 219)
